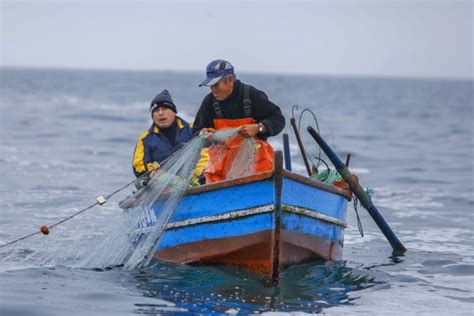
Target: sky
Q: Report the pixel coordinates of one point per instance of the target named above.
(404, 38)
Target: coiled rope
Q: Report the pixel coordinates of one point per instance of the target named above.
(327, 176)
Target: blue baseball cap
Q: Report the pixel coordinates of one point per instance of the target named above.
(216, 70)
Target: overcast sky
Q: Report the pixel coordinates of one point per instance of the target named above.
(414, 38)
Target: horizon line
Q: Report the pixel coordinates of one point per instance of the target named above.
(264, 73)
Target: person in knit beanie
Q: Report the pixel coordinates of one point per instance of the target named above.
(163, 99)
(167, 134)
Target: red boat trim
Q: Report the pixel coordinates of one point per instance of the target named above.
(253, 251)
(250, 251)
(298, 247)
(229, 183)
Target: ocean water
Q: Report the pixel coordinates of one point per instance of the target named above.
(68, 136)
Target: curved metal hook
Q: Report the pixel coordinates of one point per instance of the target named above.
(314, 118)
(295, 107)
(317, 128)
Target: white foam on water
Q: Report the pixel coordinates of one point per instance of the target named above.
(409, 202)
(447, 240)
(401, 302)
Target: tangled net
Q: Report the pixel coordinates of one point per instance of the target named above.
(129, 238)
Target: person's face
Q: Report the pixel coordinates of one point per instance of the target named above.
(163, 117)
(222, 89)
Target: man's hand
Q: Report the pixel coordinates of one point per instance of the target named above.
(206, 131)
(248, 130)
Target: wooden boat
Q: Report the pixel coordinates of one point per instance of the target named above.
(264, 222)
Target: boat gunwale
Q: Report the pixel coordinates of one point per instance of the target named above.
(318, 184)
(249, 179)
(229, 183)
(266, 175)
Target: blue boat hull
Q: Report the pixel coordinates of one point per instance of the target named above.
(264, 223)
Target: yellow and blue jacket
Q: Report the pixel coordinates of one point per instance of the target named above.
(154, 146)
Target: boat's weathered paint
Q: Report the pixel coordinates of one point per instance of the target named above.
(263, 223)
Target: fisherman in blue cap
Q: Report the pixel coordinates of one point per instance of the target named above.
(226, 101)
(233, 104)
(167, 134)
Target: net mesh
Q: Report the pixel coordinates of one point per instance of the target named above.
(129, 238)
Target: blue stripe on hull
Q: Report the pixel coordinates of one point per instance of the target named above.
(302, 195)
(314, 227)
(236, 227)
(248, 196)
(225, 200)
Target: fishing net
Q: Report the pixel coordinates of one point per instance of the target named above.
(129, 237)
(145, 223)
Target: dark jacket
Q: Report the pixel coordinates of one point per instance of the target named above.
(263, 110)
(153, 145)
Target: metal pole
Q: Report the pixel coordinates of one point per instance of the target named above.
(363, 197)
(286, 149)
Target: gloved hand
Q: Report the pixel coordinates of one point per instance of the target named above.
(155, 169)
(153, 166)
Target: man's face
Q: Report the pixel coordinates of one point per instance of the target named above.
(163, 117)
(222, 89)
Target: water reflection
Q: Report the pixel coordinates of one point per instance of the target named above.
(308, 288)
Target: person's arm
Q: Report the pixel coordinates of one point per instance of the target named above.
(142, 161)
(204, 117)
(269, 114)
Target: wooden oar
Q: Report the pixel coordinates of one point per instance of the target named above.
(363, 197)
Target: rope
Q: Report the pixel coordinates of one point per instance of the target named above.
(77, 213)
(327, 176)
(20, 239)
(359, 223)
(370, 193)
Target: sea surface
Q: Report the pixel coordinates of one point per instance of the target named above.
(67, 136)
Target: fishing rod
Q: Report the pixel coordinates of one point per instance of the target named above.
(359, 192)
